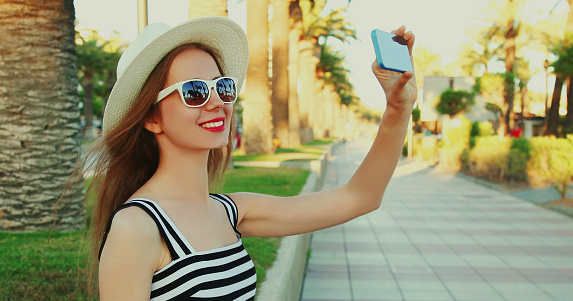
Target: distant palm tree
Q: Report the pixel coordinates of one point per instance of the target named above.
(280, 79)
(316, 24)
(552, 118)
(473, 58)
(333, 75)
(39, 116)
(294, 33)
(257, 119)
(203, 8)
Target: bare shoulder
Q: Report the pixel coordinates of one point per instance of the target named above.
(134, 224)
(130, 256)
(132, 230)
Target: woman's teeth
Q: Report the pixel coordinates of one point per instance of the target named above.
(212, 124)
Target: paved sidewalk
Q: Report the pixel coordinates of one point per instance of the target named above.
(439, 237)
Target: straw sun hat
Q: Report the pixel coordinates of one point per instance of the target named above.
(156, 41)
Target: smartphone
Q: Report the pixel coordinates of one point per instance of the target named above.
(391, 51)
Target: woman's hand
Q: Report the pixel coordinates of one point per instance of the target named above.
(400, 88)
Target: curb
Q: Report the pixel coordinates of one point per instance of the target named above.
(285, 277)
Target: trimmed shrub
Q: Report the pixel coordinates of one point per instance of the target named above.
(486, 129)
(489, 157)
(551, 159)
(456, 136)
(453, 102)
(518, 156)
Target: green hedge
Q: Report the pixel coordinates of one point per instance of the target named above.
(551, 159)
(540, 159)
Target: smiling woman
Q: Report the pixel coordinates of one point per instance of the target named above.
(158, 231)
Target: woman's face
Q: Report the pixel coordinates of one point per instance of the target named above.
(194, 128)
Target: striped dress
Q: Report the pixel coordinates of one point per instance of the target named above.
(225, 273)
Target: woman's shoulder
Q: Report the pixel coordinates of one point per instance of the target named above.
(135, 223)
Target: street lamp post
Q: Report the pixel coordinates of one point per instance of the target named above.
(141, 14)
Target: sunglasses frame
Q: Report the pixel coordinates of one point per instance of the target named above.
(211, 84)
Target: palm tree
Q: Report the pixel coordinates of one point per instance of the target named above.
(202, 8)
(280, 79)
(479, 53)
(505, 28)
(334, 77)
(39, 116)
(553, 113)
(511, 31)
(316, 25)
(257, 123)
(97, 60)
(295, 29)
(91, 59)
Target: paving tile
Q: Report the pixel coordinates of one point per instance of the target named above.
(372, 284)
(376, 294)
(427, 295)
(559, 291)
(482, 294)
(326, 294)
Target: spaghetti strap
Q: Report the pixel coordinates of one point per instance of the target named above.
(231, 207)
(176, 245)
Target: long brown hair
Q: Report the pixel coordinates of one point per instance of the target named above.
(127, 156)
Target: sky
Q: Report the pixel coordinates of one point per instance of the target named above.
(440, 25)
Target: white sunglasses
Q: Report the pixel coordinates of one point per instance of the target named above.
(196, 92)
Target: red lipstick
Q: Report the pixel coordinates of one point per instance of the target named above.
(214, 125)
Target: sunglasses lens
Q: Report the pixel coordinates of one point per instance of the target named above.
(195, 93)
(227, 89)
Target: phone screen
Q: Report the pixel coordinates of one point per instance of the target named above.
(391, 51)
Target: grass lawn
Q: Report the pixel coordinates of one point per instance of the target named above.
(306, 152)
(51, 266)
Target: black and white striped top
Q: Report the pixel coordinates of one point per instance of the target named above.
(225, 273)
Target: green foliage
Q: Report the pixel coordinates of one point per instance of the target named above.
(333, 68)
(539, 158)
(551, 160)
(489, 156)
(453, 102)
(474, 133)
(564, 63)
(456, 137)
(491, 87)
(416, 113)
(486, 129)
(97, 60)
(519, 154)
(318, 23)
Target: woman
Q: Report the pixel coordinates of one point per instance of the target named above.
(168, 121)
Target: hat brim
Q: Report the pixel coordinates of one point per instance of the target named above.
(219, 33)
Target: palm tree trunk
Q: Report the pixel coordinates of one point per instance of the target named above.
(257, 120)
(203, 8)
(317, 111)
(293, 105)
(307, 72)
(280, 80)
(568, 128)
(39, 116)
(509, 92)
(553, 114)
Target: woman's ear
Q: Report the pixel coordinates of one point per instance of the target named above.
(153, 125)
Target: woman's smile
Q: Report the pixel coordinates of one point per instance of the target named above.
(214, 125)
